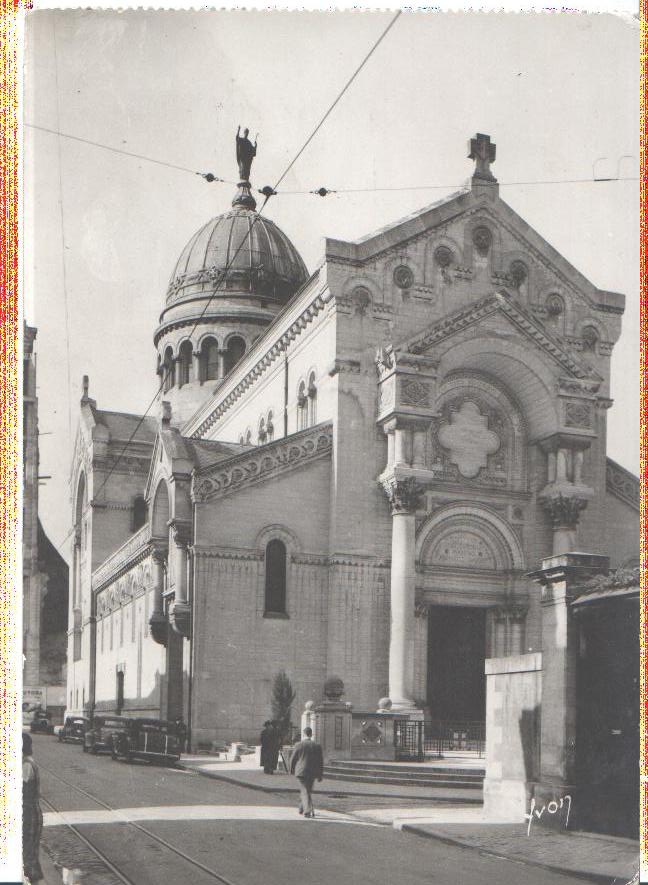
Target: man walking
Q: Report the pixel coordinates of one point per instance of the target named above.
(307, 764)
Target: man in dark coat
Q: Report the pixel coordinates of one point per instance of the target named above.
(269, 747)
(307, 764)
(32, 815)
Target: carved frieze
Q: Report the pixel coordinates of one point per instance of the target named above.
(463, 548)
(414, 393)
(262, 463)
(622, 483)
(578, 413)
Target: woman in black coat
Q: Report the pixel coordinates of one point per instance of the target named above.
(269, 747)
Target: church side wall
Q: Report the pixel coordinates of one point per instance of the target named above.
(238, 651)
(312, 351)
(124, 644)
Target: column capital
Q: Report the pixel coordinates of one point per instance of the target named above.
(181, 530)
(564, 509)
(159, 554)
(405, 495)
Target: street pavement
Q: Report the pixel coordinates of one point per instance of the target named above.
(148, 825)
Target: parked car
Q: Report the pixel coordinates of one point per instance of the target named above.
(73, 729)
(40, 723)
(100, 737)
(154, 740)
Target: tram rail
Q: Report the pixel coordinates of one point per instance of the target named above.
(111, 866)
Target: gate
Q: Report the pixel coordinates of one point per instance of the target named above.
(417, 740)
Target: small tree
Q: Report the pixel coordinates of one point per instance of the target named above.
(283, 696)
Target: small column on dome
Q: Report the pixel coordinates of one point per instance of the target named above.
(245, 153)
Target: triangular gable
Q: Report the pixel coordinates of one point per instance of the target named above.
(425, 221)
(502, 303)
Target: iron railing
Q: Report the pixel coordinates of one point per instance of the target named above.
(417, 740)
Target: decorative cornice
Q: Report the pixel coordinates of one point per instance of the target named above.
(133, 551)
(278, 347)
(622, 484)
(499, 302)
(349, 366)
(262, 463)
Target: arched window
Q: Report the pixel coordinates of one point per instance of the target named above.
(312, 400)
(270, 427)
(275, 577)
(590, 338)
(234, 352)
(185, 363)
(248, 437)
(139, 512)
(209, 360)
(302, 407)
(263, 435)
(168, 368)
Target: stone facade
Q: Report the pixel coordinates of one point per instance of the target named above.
(420, 425)
(45, 574)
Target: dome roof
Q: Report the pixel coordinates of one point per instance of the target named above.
(265, 264)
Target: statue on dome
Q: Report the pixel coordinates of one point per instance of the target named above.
(245, 153)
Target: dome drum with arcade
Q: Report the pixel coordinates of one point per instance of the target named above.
(231, 279)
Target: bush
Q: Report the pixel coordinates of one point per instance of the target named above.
(283, 696)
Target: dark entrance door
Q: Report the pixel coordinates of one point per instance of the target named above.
(456, 653)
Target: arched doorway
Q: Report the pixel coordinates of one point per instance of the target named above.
(469, 584)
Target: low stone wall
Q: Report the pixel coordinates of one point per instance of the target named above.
(513, 697)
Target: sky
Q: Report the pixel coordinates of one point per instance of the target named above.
(102, 230)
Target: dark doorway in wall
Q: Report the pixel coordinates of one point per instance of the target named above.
(456, 653)
(120, 692)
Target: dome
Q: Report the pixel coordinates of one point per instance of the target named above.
(266, 263)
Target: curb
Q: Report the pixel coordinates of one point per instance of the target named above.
(461, 800)
(598, 878)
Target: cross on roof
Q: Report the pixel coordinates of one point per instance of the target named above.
(483, 152)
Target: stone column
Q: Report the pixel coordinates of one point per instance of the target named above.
(404, 498)
(565, 496)
(221, 363)
(558, 578)
(157, 621)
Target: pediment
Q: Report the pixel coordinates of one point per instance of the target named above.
(461, 210)
(502, 305)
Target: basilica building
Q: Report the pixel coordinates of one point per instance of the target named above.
(357, 472)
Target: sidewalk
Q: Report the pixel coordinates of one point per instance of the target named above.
(603, 859)
(247, 774)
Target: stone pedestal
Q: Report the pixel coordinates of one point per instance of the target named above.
(558, 578)
(372, 735)
(331, 724)
(513, 695)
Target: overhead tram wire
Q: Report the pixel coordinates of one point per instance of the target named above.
(323, 191)
(269, 192)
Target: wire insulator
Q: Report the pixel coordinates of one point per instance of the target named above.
(268, 191)
(322, 192)
(209, 176)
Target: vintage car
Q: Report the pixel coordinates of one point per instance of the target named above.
(154, 740)
(73, 729)
(40, 723)
(101, 736)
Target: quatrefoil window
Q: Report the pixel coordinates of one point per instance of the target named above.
(468, 439)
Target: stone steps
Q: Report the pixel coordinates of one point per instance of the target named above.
(369, 773)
